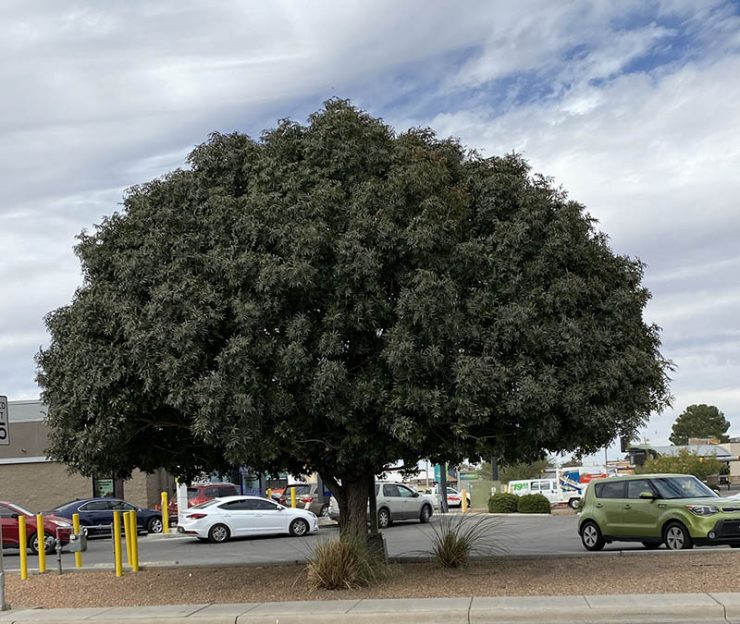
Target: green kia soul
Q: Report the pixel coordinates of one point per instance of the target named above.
(676, 510)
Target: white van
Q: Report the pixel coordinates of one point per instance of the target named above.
(551, 489)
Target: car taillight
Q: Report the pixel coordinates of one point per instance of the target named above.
(196, 516)
(306, 499)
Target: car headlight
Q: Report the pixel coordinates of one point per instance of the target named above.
(703, 510)
(62, 525)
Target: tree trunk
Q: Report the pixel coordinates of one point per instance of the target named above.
(352, 498)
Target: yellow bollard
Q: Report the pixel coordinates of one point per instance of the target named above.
(134, 543)
(117, 542)
(127, 532)
(464, 500)
(165, 515)
(22, 545)
(41, 541)
(292, 497)
(76, 529)
(268, 493)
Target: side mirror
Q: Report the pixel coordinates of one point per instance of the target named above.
(647, 495)
(281, 508)
(14, 516)
(416, 494)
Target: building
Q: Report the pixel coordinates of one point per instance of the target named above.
(32, 480)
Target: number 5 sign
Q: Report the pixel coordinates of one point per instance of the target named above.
(4, 436)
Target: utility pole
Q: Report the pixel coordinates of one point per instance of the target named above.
(443, 507)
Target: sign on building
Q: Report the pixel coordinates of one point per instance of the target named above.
(4, 430)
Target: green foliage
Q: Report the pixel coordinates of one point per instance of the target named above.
(346, 564)
(455, 538)
(519, 470)
(336, 296)
(503, 502)
(533, 503)
(684, 463)
(700, 421)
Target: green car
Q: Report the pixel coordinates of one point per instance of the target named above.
(676, 510)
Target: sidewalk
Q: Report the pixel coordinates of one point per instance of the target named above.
(606, 609)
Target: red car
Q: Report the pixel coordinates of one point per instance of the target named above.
(203, 492)
(53, 526)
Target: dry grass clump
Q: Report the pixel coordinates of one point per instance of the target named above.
(456, 538)
(345, 564)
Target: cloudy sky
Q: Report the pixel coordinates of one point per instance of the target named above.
(633, 107)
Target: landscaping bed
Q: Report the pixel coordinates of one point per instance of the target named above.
(603, 573)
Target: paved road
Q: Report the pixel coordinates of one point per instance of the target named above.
(508, 535)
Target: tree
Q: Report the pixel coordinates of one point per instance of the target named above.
(684, 463)
(336, 297)
(700, 421)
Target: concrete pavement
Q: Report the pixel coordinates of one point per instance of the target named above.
(604, 609)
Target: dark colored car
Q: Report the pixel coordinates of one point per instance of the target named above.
(96, 514)
(54, 526)
(307, 496)
(203, 492)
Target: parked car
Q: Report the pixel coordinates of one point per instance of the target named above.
(96, 514)
(54, 526)
(220, 519)
(676, 510)
(202, 492)
(307, 497)
(394, 502)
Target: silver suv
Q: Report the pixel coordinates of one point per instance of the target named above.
(395, 501)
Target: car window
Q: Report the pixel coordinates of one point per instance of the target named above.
(6, 512)
(207, 503)
(534, 486)
(119, 505)
(192, 493)
(610, 489)
(405, 492)
(682, 487)
(228, 490)
(96, 506)
(239, 505)
(210, 491)
(637, 487)
(390, 490)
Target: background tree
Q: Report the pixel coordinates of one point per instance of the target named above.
(700, 421)
(336, 297)
(683, 463)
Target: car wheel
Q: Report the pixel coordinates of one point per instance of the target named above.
(154, 525)
(574, 503)
(426, 513)
(219, 533)
(651, 545)
(384, 518)
(324, 513)
(676, 537)
(591, 536)
(298, 528)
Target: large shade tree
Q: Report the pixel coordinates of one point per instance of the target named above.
(335, 297)
(700, 421)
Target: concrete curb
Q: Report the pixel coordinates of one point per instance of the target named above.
(607, 609)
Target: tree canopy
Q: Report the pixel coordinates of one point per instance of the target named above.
(700, 421)
(337, 296)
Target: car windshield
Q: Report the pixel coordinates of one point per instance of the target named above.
(192, 493)
(63, 506)
(20, 509)
(208, 503)
(682, 487)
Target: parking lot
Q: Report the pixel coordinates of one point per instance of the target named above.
(511, 535)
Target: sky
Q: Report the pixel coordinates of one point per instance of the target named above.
(631, 107)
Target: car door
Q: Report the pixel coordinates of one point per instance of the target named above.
(392, 500)
(241, 517)
(9, 523)
(640, 515)
(609, 502)
(410, 502)
(97, 515)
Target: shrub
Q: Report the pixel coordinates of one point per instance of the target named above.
(457, 537)
(503, 503)
(345, 564)
(533, 503)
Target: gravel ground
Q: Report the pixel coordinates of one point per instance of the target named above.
(659, 572)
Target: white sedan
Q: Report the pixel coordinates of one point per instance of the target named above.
(220, 519)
